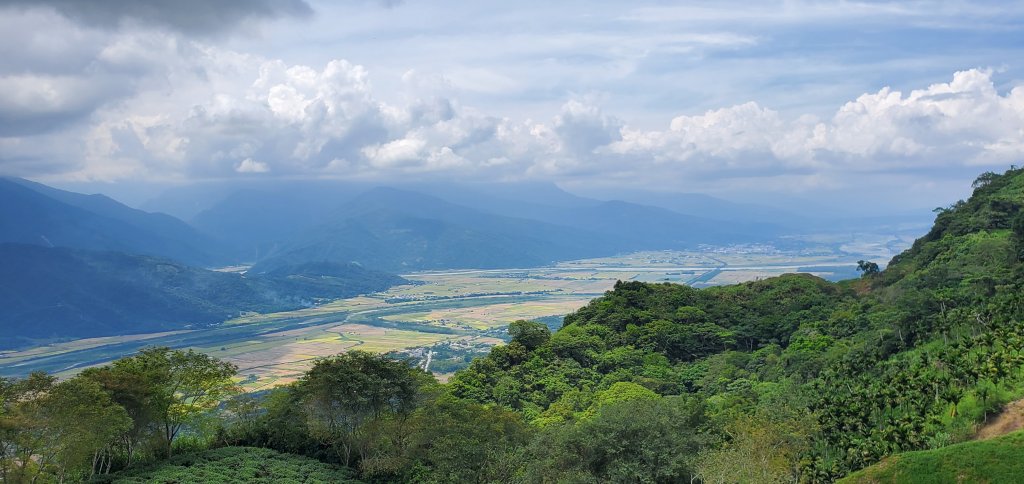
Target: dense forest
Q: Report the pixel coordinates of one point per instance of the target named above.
(790, 379)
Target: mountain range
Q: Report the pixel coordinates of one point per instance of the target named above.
(32, 213)
(58, 293)
(76, 265)
(417, 227)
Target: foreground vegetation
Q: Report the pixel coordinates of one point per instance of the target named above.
(783, 380)
(232, 465)
(995, 460)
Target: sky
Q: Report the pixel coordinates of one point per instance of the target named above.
(884, 105)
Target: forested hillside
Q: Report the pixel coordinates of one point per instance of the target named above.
(780, 380)
(49, 293)
(908, 358)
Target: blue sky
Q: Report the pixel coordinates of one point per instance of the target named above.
(901, 101)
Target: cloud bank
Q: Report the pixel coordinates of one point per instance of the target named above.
(138, 91)
(306, 121)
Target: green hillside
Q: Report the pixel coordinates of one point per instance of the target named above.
(908, 358)
(991, 461)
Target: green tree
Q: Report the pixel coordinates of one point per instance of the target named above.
(867, 268)
(530, 334)
(82, 424)
(764, 447)
(458, 441)
(623, 391)
(1017, 227)
(637, 440)
(343, 395)
(138, 389)
(165, 390)
(23, 431)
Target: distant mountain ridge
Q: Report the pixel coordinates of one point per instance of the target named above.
(31, 213)
(454, 226)
(67, 293)
(398, 230)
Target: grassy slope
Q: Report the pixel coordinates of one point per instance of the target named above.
(991, 461)
(233, 465)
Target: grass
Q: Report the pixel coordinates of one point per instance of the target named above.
(230, 465)
(998, 460)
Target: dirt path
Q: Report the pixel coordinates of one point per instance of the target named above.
(1012, 418)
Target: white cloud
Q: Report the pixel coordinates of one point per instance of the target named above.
(965, 118)
(200, 109)
(130, 102)
(250, 165)
(965, 121)
(397, 152)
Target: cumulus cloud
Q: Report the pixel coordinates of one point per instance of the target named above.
(153, 104)
(965, 118)
(143, 88)
(250, 165)
(964, 121)
(64, 59)
(189, 16)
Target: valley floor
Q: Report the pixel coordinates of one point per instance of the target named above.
(450, 315)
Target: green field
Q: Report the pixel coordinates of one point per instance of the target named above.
(469, 308)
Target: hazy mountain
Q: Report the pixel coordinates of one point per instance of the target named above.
(255, 220)
(709, 207)
(632, 226)
(647, 227)
(31, 213)
(187, 202)
(399, 230)
(431, 225)
(68, 293)
(522, 199)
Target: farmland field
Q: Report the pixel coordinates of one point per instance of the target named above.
(453, 314)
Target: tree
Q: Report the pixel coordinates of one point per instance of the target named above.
(22, 431)
(764, 447)
(529, 333)
(138, 389)
(638, 440)
(1017, 227)
(984, 179)
(460, 441)
(58, 431)
(165, 390)
(82, 424)
(341, 395)
(867, 268)
(623, 391)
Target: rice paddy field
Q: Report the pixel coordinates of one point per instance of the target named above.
(462, 312)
